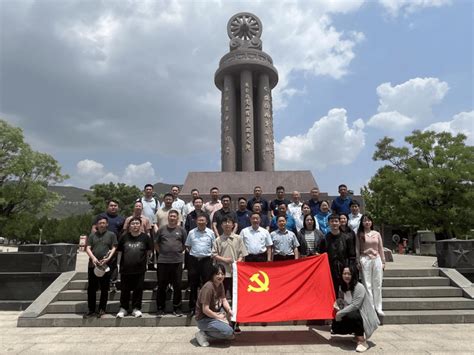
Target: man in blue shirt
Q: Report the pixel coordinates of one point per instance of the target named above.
(314, 202)
(243, 215)
(199, 245)
(342, 203)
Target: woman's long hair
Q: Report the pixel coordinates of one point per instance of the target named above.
(305, 228)
(361, 230)
(354, 277)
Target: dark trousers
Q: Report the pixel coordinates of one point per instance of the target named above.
(169, 274)
(199, 270)
(113, 269)
(94, 283)
(351, 323)
(257, 257)
(228, 287)
(283, 257)
(131, 283)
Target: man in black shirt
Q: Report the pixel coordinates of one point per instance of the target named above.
(219, 216)
(257, 197)
(280, 198)
(134, 249)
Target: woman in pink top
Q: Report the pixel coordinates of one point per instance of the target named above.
(372, 261)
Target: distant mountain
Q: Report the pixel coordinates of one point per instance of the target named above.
(74, 201)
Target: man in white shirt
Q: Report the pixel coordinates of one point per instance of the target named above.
(294, 208)
(257, 240)
(189, 207)
(354, 216)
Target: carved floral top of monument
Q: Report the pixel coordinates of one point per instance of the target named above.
(246, 76)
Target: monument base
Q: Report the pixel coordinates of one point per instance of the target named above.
(241, 183)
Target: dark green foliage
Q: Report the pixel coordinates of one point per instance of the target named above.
(428, 184)
(123, 193)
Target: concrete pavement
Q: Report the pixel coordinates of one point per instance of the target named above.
(399, 339)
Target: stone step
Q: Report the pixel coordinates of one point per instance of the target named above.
(415, 281)
(149, 284)
(431, 303)
(80, 307)
(82, 275)
(410, 272)
(81, 295)
(429, 316)
(148, 320)
(420, 292)
(14, 305)
(109, 320)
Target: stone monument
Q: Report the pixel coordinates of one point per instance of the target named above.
(246, 77)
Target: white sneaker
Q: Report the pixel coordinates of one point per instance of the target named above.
(137, 313)
(122, 313)
(381, 313)
(362, 347)
(201, 338)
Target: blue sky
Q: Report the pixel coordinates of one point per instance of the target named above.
(123, 91)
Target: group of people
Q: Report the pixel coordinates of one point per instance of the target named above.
(206, 238)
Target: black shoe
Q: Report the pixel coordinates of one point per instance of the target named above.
(237, 329)
(88, 315)
(160, 313)
(177, 312)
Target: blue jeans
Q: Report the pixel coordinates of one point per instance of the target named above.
(215, 328)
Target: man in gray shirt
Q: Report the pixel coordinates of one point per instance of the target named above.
(101, 246)
(169, 244)
(285, 244)
(199, 244)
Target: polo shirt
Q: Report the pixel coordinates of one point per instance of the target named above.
(231, 246)
(243, 219)
(341, 206)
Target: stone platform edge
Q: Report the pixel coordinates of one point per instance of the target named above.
(458, 280)
(38, 307)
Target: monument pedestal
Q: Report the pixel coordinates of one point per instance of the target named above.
(241, 183)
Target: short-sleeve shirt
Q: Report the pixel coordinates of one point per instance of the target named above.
(149, 208)
(243, 219)
(200, 242)
(211, 295)
(115, 222)
(162, 216)
(263, 203)
(211, 207)
(134, 253)
(101, 244)
(219, 216)
(275, 203)
(340, 205)
(171, 243)
(232, 246)
(144, 227)
(284, 243)
(256, 241)
(191, 220)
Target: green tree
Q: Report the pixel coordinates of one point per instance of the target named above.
(24, 177)
(123, 193)
(428, 184)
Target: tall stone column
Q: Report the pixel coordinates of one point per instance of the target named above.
(247, 126)
(229, 129)
(265, 153)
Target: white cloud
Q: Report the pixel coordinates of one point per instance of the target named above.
(463, 123)
(390, 120)
(147, 67)
(394, 7)
(330, 141)
(90, 172)
(408, 103)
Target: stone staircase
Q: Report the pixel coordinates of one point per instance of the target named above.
(425, 296)
(409, 296)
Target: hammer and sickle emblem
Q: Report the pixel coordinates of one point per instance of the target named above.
(262, 284)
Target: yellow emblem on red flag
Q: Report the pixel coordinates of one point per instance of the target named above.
(262, 285)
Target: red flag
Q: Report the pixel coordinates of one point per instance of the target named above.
(283, 290)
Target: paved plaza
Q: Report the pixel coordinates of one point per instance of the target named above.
(395, 339)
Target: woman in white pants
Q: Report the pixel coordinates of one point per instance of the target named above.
(372, 261)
